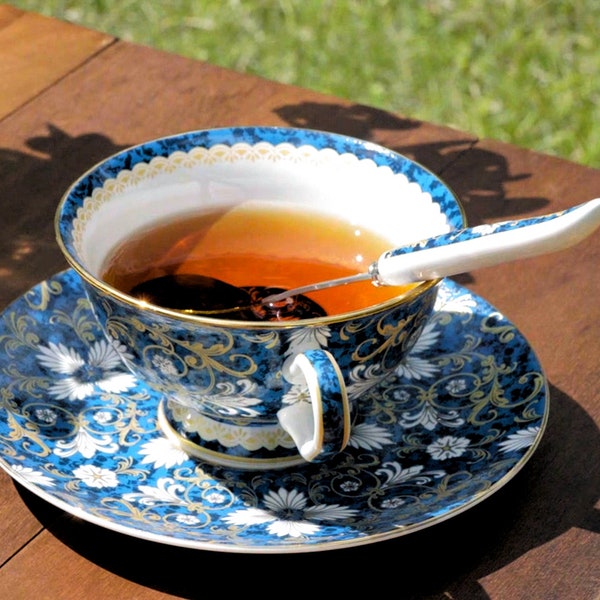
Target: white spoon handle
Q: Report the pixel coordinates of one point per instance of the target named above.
(486, 245)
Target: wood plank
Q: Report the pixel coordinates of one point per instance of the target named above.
(552, 300)
(17, 524)
(51, 569)
(46, 144)
(73, 559)
(8, 14)
(27, 66)
(173, 94)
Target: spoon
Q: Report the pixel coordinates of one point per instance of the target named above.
(471, 248)
(439, 256)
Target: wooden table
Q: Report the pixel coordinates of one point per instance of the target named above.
(70, 96)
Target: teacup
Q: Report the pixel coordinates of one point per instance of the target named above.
(247, 394)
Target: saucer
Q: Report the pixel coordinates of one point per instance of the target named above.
(457, 420)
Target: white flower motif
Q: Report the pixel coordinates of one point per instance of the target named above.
(369, 436)
(164, 365)
(215, 497)
(448, 447)
(520, 439)
(227, 398)
(447, 302)
(297, 393)
(350, 486)
(116, 383)
(71, 388)
(456, 386)
(105, 354)
(121, 349)
(83, 376)
(393, 503)
(400, 395)
(102, 417)
(166, 491)
(187, 519)
(35, 477)
(429, 417)
(395, 473)
(428, 338)
(46, 415)
(59, 358)
(235, 399)
(85, 444)
(306, 338)
(162, 452)
(287, 514)
(96, 477)
(363, 379)
(415, 367)
(426, 416)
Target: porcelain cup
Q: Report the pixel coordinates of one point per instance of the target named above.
(255, 395)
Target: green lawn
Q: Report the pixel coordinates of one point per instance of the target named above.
(523, 71)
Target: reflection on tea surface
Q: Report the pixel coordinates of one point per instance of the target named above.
(253, 244)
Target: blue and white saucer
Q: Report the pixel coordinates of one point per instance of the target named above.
(457, 421)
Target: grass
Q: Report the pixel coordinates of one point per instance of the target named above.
(522, 71)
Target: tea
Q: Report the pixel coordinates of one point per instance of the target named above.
(256, 244)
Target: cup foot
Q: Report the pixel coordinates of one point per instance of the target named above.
(197, 436)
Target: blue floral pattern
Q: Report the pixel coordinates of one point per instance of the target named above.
(451, 425)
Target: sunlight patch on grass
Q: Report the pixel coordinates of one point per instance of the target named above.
(521, 71)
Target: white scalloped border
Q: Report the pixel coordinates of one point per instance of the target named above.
(128, 179)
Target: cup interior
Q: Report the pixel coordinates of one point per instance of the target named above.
(350, 179)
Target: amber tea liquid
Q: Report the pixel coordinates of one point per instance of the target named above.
(256, 244)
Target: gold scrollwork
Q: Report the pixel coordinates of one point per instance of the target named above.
(29, 434)
(78, 320)
(19, 333)
(505, 333)
(390, 336)
(46, 290)
(216, 358)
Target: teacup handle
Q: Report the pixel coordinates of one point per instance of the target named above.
(320, 429)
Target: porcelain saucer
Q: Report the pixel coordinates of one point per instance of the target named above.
(454, 423)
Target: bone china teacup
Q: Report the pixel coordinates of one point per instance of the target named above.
(256, 394)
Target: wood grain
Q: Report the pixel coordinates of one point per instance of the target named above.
(36, 51)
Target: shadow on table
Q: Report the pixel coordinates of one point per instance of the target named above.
(551, 495)
(482, 174)
(31, 185)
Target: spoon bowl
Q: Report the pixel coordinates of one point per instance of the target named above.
(201, 295)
